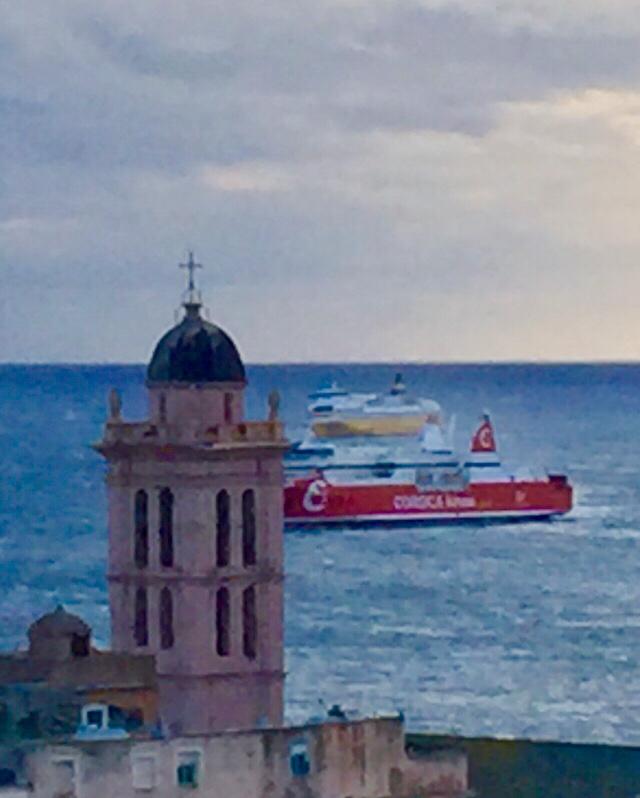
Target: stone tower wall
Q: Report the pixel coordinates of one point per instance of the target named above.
(201, 690)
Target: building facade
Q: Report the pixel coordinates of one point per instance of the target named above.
(357, 759)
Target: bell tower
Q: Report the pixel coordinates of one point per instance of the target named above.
(195, 498)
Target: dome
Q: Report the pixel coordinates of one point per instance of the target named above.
(195, 351)
(59, 635)
(58, 623)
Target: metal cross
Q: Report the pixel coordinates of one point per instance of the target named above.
(191, 265)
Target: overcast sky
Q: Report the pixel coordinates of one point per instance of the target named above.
(362, 179)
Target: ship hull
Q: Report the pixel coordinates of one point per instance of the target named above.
(316, 501)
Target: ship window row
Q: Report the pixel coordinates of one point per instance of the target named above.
(165, 618)
(223, 621)
(223, 527)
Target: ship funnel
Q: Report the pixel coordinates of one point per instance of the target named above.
(484, 439)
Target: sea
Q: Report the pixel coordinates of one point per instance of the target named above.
(510, 630)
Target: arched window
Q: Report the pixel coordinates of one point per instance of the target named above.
(249, 623)
(141, 521)
(140, 622)
(166, 528)
(162, 408)
(248, 528)
(166, 618)
(223, 622)
(223, 529)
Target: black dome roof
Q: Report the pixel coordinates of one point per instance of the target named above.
(195, 351)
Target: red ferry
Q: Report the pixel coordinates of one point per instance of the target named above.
(440, 489)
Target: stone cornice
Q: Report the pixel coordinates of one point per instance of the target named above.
(183, 452)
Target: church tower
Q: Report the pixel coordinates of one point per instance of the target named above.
(195, 533)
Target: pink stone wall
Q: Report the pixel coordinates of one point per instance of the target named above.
(361, 759)
(232, 691)
(201, 406)
(219, 703)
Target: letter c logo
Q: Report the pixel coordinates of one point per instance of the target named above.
(316, 496)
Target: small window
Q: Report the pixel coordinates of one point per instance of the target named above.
(249, 623)
(223, 621)
(141, 623)
(299, 758)
(166, 618)
(96, 718)
(80, 645)
(228, 408)
(166, 528)
(141, 535)
(143, 771)
(64, 778)
(188, 769)
(248, 528)
(223, 529)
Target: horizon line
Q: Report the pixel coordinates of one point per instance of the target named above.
(249, 364)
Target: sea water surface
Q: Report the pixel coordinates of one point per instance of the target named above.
(512, 630)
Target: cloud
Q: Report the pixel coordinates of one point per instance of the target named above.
(440, 166)
(247, 176)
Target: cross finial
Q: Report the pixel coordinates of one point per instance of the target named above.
(192, 296)
(191, 265)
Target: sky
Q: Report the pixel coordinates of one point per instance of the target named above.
(363, 180)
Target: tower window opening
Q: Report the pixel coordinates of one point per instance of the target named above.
(166, 528)
(166, 618)
(141, 523)
(223, 622)
(249, 623)
(223, 529)
(248, 528)
(140, 622)
(162, 408)
(228, 408)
